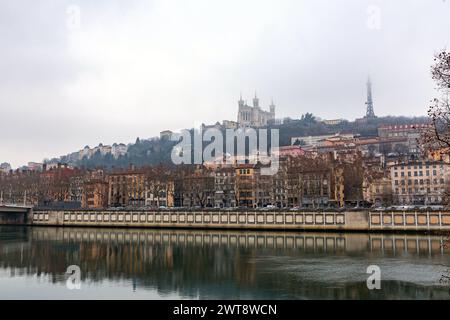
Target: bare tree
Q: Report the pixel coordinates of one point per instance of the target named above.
(157, 183)
(353, 181)
(309, 179)
(201, 187)
(195, 185)
(438, 134)
(441, 69)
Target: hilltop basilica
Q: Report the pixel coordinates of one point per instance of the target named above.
(254, 116)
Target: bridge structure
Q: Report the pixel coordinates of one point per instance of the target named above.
(15, 214)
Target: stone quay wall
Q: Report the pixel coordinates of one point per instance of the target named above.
(264, 220)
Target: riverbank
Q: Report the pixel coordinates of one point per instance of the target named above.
(361, 221)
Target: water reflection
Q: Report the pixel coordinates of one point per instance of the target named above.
(121, 263)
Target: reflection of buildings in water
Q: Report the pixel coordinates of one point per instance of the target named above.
(289, 242)
(391, 290)
(250, 240)
(185, 259)
(403, 244)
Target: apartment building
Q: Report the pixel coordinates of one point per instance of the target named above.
(419, 182)
(225, 180)
(126, 189)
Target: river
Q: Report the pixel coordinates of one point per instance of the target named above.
(197, 264)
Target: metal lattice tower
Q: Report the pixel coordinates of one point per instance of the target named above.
(369, 112)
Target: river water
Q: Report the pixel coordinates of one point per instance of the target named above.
(197, 264)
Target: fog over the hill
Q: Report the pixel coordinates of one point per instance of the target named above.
(82, 72)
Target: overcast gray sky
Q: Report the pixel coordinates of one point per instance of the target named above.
(75, 73)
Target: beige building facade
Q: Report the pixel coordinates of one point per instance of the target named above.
(419, 182)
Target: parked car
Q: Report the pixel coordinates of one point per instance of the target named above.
(404, 208)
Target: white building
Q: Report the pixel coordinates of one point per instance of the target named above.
(333, 122)
(165, 135)
(34, 166)
(119, 150)
(5, 167)
(315, 141)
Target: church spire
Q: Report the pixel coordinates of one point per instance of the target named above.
(240, 101)
(256, 101)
